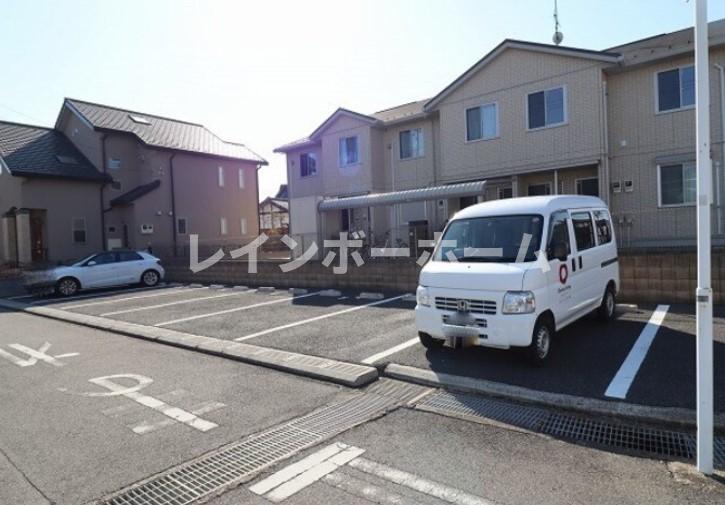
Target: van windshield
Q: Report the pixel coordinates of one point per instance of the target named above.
(502, 239)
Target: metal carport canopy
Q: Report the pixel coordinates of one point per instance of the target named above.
(408, 195)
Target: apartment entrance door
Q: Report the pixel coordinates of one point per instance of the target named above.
(37, 235)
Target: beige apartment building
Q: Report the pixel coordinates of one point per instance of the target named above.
(108, 178)
(526, 119)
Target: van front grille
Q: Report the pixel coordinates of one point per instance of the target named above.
(475, 306)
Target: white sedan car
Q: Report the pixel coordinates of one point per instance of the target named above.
(102, 270)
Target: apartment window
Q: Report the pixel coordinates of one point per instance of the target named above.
(79, 231)
(589, 186)
(678, 184)
(482, 122)
(559, 232)
(546, 108)
(583, 231)
(116, 185)
(540, 189)
(411, 143)
(308, 164)
(181, 226)
(223, 226)
(675, 89)
(603, 226)
(241, 178)
(507, 192)
(243, 225)
(114, 163)
(220, 176)
(349, 151)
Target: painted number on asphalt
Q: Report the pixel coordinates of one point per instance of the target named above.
(34, 355)
(118, 385)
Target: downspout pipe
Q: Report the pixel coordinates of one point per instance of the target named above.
(174, 231)
(103, 186)
(721, 165)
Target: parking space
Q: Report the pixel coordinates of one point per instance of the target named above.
(85, 413)
(646, 356)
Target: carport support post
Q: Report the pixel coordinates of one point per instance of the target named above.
(704, 288)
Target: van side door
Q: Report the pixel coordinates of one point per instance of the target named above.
(558, 252)
(584, 265)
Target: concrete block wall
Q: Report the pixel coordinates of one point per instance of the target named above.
(379, 276)
(658, 276)
(653, 276)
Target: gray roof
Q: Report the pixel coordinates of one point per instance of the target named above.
(35, 151)
(161, 132)
(475, 188)
(400, 112)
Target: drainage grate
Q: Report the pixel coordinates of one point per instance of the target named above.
(669, 444)
(658, 443)
(719, 455)
(476, 406)
(405, 392)
(241, 461)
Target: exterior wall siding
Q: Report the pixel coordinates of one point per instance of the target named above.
(638, 136)
(506, 81)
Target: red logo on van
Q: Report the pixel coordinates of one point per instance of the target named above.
(563, 274)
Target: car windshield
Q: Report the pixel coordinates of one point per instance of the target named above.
(502, 239)
(76, 263)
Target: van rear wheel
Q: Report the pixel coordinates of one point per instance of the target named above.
(540, 349)
(607, 309)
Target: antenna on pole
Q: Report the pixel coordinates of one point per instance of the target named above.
(558, 36)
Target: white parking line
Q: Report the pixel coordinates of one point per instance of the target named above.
(621, 382)
(229, 311)
(377, 357)
(19, 297)
(428, 487)
(318, 318)
(171, 291)
(314, 474)
(92, 295)
(170, 304)
(295, 469)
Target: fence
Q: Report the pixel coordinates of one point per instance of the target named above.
(647, 276)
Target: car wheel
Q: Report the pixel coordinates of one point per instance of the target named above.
(150, 278)
(607, 309)
(67, 286)
(540, 349)
(429, 342)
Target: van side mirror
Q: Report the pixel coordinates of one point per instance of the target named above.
(557, 251)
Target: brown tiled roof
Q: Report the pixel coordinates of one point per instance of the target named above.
(400, 111)
(162, 132)
(35, 151)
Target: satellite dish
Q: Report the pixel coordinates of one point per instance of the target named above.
(557, 38)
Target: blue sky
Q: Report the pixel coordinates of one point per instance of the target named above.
(268, 72)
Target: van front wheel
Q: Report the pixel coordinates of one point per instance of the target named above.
(540, 349)
(429, 342)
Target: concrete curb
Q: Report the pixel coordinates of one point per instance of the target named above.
(642, 413)
(347, 374)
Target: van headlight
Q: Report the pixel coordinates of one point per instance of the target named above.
(422, 297)
(518, 302)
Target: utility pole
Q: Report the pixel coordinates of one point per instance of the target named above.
(704, 288)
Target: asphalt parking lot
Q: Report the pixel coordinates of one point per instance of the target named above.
(604, 361)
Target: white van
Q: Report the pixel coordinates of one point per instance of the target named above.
(509, 273)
